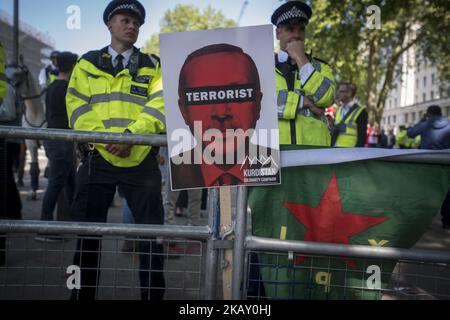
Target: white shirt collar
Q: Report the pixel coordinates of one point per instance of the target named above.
(282, 56)
(349, 105)
(126, 55)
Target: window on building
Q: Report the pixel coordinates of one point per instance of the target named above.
(389, 120)
(406, 118)
(394, 119)
(383, 120)
(413, 116)
(424, 81)
(424, 97)
(448, 111)
(416, 99)
(433, 78)
(420, 114)
(390, 103)
(417, 83)
(395, 102)
(432, 95)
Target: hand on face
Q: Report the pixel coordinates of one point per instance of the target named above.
(295, 49)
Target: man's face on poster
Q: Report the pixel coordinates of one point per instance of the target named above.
(222, 92)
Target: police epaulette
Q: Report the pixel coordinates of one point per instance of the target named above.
(147, 61)
(154, 56)
(99, 59)
(320, 60)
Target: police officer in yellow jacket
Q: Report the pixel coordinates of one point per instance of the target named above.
(118, 89)
(3, 83)
(350, 125)
(49, 73)
(402, 141)
(305, 85)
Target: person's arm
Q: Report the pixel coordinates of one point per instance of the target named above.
(417, 129)
(361, 123)
(318, 83)
(80, 114)
(152, 119)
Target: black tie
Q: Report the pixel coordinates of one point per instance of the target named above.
(119, 65)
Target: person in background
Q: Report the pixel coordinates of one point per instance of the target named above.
(350, 126)
(61, 154)
(434, 130)
(49, 73)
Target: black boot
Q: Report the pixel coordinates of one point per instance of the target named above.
(34, 174)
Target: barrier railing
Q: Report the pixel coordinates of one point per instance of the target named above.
(243, 244)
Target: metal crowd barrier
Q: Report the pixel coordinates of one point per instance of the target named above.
(202, 282)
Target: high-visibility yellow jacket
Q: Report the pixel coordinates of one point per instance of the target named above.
(348, 135)
(402, 140)
(416, 142)
(299, 125)
(98, 100)
(3, 83)
(52, 75)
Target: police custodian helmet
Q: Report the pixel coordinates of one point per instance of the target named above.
(291, 12)
(133, 7)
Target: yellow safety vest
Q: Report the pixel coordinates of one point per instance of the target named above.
(98, 100)
(3, 82)
(52, 75)
(402, 140)
(298, 125)
(416, 142)
(348, 138)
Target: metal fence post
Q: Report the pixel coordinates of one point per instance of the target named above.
(239, 241)
(211, 251)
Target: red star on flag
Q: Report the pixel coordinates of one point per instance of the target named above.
(328, 223)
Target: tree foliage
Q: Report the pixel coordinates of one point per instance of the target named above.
(338, 33)
(188, 18)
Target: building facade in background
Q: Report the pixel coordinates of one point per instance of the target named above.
(34, 46)
(416, 87)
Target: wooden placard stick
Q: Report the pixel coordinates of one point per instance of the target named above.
(225, 227)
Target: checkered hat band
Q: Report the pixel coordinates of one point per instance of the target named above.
(294, 13)
(126, 6)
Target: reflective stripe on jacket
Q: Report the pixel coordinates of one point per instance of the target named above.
(99, 100)
(348, 134)
(298, 125)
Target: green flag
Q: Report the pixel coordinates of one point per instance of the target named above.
(374, 203)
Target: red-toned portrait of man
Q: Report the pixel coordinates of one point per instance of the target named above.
(220, 100)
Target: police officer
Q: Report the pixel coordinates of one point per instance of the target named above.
(50, 73)
(350, 125)
(118, 89)
(3, 83)
(305, 84)
(402, 141)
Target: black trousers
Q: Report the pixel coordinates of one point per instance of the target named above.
(445, 211)
(10, 204)
(96, 185)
